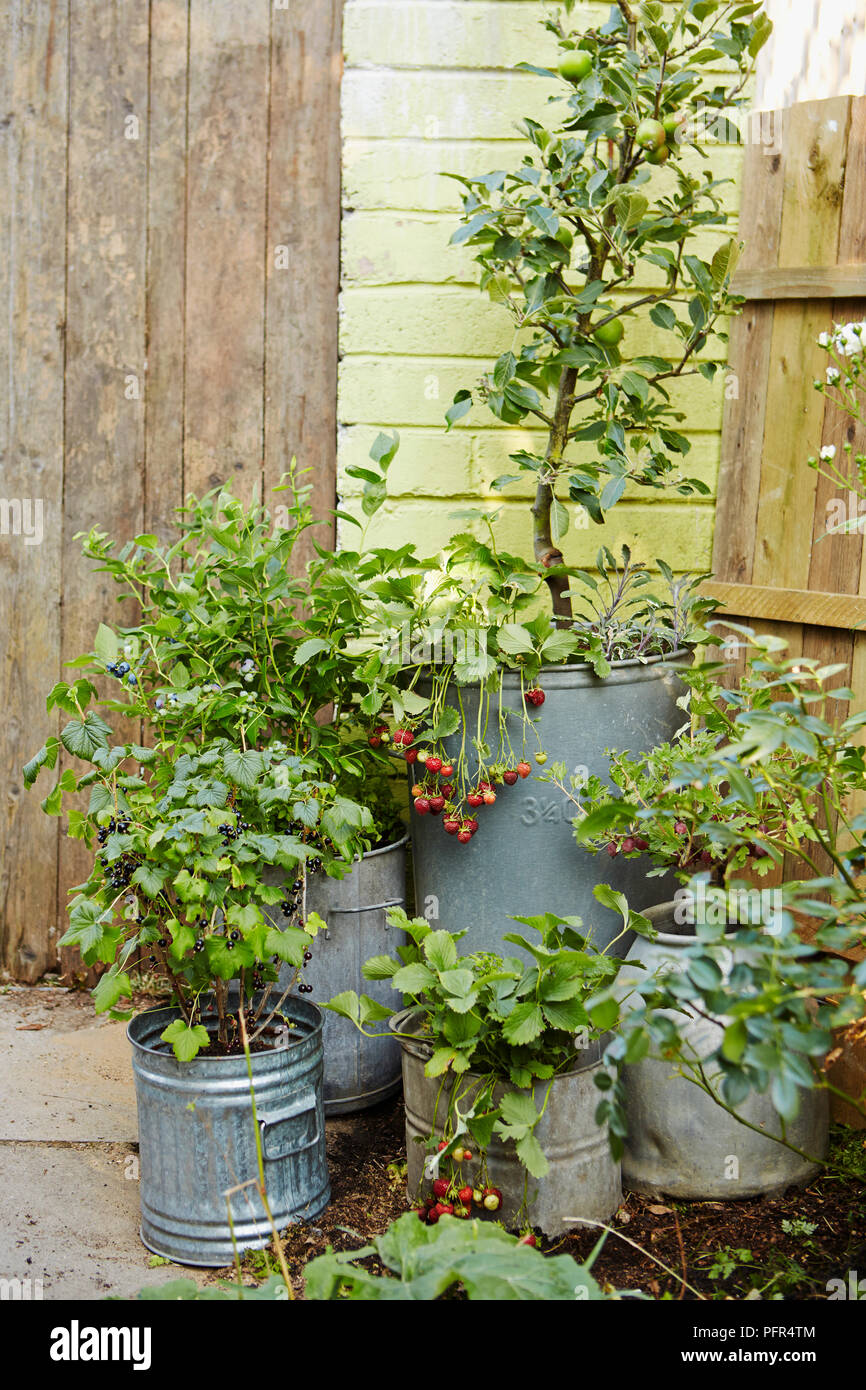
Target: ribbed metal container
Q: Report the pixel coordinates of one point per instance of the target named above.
(583, 1181)
(359, 1071)
(197, 1139)
(524, 858)
(682, 1143)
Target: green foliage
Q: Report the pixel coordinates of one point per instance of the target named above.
(500, 1028)
(231, 661)
(562, 239)
(424, 1263)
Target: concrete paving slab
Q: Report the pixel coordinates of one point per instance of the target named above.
(64, 1074)
(69, 1220)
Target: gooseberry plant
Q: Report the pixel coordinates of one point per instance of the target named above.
(590, 230)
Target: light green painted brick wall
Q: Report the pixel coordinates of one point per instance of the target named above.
(427, 87)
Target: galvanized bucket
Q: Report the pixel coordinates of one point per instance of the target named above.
(583, 1181)
(524, 858)
(682, 1143)
(197, 1139)
(359, 1071)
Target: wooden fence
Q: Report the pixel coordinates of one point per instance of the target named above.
(169, 271)
(803, 221)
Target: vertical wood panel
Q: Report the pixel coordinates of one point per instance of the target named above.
(135, 280)
(227, 165)
(303, 279)
(32, 274)
(105, 317)
(166, 269)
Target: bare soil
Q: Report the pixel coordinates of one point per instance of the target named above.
(786, 1246)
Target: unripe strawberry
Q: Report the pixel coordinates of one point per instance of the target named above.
(457, 1155)
(489, 798)
(463, 1213)
(541, 759)
(423, 755)
(492, 1199)
(477, 1196)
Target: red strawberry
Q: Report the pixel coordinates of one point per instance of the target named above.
(422, 805)
(432, 1216)
(485, 787)
(464, 836)
(443, 1144)
(451, 825)
(535, 696)
(422, 1213)
(436, 805)
(403, 738)
(411, 755)
(472, 825)
(489, 797)
(440, 1187)
(465, 1196)
(475, 799)
(447, 769)
(467, 1156)
(434, 763)
(523, 769)
(509, 777)
(375, 740)
(528, 1239)
(445, 788)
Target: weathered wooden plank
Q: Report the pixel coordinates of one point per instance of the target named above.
(33, 92)
(802, 282)
(751, 332)
(303, 252)
(105, 315)
(166, 268)
(831, 610)
(226, 194)
(814, 146)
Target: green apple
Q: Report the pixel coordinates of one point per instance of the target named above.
(650, 134)
(609, 334)
(658, 156)
(674, 127)
(575, 66)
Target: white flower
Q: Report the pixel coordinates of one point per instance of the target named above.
(848, 338)
(833, 375)
(828, 452)
(823, 339)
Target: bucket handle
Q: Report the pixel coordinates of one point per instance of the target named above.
(369, 907)
(301, 1105)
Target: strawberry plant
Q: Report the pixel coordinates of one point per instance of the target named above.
(498, 1028)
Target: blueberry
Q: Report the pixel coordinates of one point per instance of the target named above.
(122, 668)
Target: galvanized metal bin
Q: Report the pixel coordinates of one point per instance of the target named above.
(524, 858)
(197, 1139)
(583, 1181)
(682, 1143)
(359, 1071)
